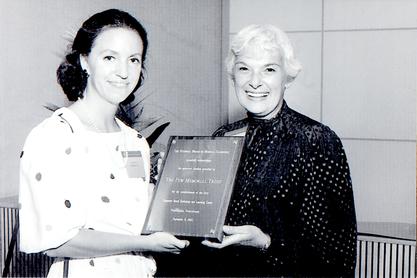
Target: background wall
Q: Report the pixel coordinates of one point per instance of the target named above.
(183, 79)
(359, 77)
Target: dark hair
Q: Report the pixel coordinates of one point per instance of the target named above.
(70, 75)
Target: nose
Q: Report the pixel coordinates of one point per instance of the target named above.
(254, 86)
(122, 70)
(255, 81)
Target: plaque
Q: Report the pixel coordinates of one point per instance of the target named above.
(194, 187)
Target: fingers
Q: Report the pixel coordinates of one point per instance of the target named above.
(183, 243)
(229, 230)
(178, 243)
(176, 247)
(247, 235)
(227, 240)
(166, 242)
(212, 244)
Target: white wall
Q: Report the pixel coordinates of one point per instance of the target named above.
(359, 77)
(183, 75)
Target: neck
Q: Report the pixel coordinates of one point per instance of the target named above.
(271, 114)
(96, 116)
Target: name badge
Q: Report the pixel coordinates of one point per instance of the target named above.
(134, 164)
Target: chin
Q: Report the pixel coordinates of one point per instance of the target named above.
(255, 110)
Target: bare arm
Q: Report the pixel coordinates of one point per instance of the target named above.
(91, 243)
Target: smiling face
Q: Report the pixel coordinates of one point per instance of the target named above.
(113, 64)
(259, 80)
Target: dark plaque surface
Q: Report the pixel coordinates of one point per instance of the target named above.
(194, 187)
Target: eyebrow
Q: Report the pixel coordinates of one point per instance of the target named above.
(272, 64)
(115, 52)
(267, 65)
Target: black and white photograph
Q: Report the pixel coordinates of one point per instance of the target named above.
(208, 138)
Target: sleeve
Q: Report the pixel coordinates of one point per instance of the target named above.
(327, 215)
(50, 193)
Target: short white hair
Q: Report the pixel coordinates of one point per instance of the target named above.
(267, 37)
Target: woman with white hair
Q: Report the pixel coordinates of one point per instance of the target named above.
(292, 210)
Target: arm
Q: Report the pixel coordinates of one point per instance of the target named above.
(91, 243)
(327, 215)
(53, 208)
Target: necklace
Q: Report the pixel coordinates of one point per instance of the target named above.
(115, 151)
(88, 120)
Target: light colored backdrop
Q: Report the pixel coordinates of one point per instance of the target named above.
(360, 78)
(183, 67)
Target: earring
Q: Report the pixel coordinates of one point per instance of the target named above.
(84, 77)
(80, 94)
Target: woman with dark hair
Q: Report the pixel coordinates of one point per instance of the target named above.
(84, 174)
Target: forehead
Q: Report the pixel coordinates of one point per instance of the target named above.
(254, 53)
(118, 39)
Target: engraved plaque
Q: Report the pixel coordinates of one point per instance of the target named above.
(195, 186)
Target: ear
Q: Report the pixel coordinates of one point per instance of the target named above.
(84, 63)
(232, 79)
(288, 81)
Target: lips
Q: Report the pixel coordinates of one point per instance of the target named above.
(253, 94)
(119, 84)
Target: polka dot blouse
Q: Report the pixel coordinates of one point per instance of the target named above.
(294, 184)
(71, 179)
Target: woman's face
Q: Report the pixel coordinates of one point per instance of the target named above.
(114, 64)
(259, 80)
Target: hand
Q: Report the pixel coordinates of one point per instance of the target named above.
(159, 164)
(247, 235)
(165, 242)
(156, 163)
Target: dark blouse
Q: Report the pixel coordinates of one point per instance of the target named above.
(293, 183)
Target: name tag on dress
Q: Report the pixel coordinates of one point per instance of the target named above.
(134, 164)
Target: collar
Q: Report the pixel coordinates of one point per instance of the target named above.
(281, 121)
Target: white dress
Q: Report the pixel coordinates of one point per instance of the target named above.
(72, 179)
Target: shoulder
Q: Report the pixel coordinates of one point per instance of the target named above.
(57, 126)
(49, 139)
(235, 127)
(310, 130)
(133, 135)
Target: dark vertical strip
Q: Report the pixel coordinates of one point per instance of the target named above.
(9, 234)
(390, 260)
(10, 250)
(3, 212)
(66, 266)
(402, 262)
(409, 260)
(385, 257)
(372, 258)
(360, 258)
(16, 248)
(366, 259)
(378, 259)
(396, 261)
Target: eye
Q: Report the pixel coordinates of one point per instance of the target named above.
(242, 68)
(108, 58)
(135, 60)
(269, 69)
